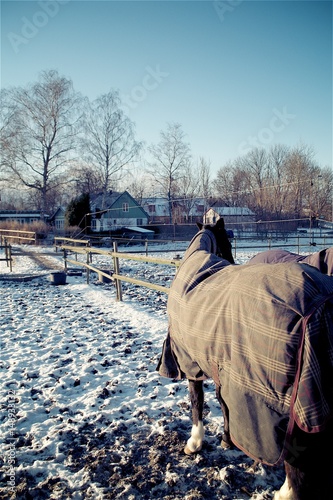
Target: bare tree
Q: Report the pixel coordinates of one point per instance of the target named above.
(42, 133)
(85, 180)
(256, 165)
(170, 159)
(138, 183)
(231, 184)
(276, 192)
(324, 196)
(281, 182)
(7, 132)
(108, 139)
(300, 172)
(204, 181)
(187, 192)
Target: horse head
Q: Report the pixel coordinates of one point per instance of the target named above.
(221, 237)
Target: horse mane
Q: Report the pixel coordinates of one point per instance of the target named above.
(222, 239)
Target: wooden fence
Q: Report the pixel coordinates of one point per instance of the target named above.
(116, 256)
(14, 234)
(83, 247)
(294, 243)
(60, 240)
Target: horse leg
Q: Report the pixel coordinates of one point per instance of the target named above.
(226, 441)
(309, 470)
(285, 492)
(194, 443)
(310, 480)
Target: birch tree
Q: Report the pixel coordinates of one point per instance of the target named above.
(42, 133)
(170, 160)
(108, 138)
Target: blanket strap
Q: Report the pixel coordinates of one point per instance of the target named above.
(215, 374)
(305, 321)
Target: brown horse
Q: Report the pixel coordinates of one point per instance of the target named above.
(264, 334)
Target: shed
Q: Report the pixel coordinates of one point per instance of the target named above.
(139, 233)
(231, 215)
(21, 216)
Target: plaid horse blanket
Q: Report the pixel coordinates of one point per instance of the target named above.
(322, 260)
(264, 334)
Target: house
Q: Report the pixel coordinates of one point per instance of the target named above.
(157, 209)
(231, 215)
(57, 220)
(184, 211)
(108, 212)
(113, 210)
(22, 216)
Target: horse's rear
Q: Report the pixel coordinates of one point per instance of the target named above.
(322, 260)
(265, 335)
(247, 327)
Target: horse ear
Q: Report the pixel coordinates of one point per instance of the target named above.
(220, 224)
(200, 226)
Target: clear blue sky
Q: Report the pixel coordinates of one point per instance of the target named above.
(233, 73)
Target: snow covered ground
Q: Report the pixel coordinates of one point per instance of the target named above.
(84, 414)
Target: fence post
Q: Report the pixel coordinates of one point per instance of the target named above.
(88, 270)
(146, 247)
(6, 250)
(10, 258)
(90, 254)
(116, 268)
(65, 259)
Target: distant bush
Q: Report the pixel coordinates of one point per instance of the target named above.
(38, 227)
(73, 231)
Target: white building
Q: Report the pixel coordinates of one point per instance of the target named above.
(231, 215)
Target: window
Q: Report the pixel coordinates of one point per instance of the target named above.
(139, 222)
(125, 207)
(151, 209)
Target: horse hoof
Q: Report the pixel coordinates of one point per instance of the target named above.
(225, 446)
(284, 493)
(188, 451)
(226, 442)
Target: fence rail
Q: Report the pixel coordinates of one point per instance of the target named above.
(116, 276)
(15, 234)
(296, 243)
(59, 240)
(301, 243)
